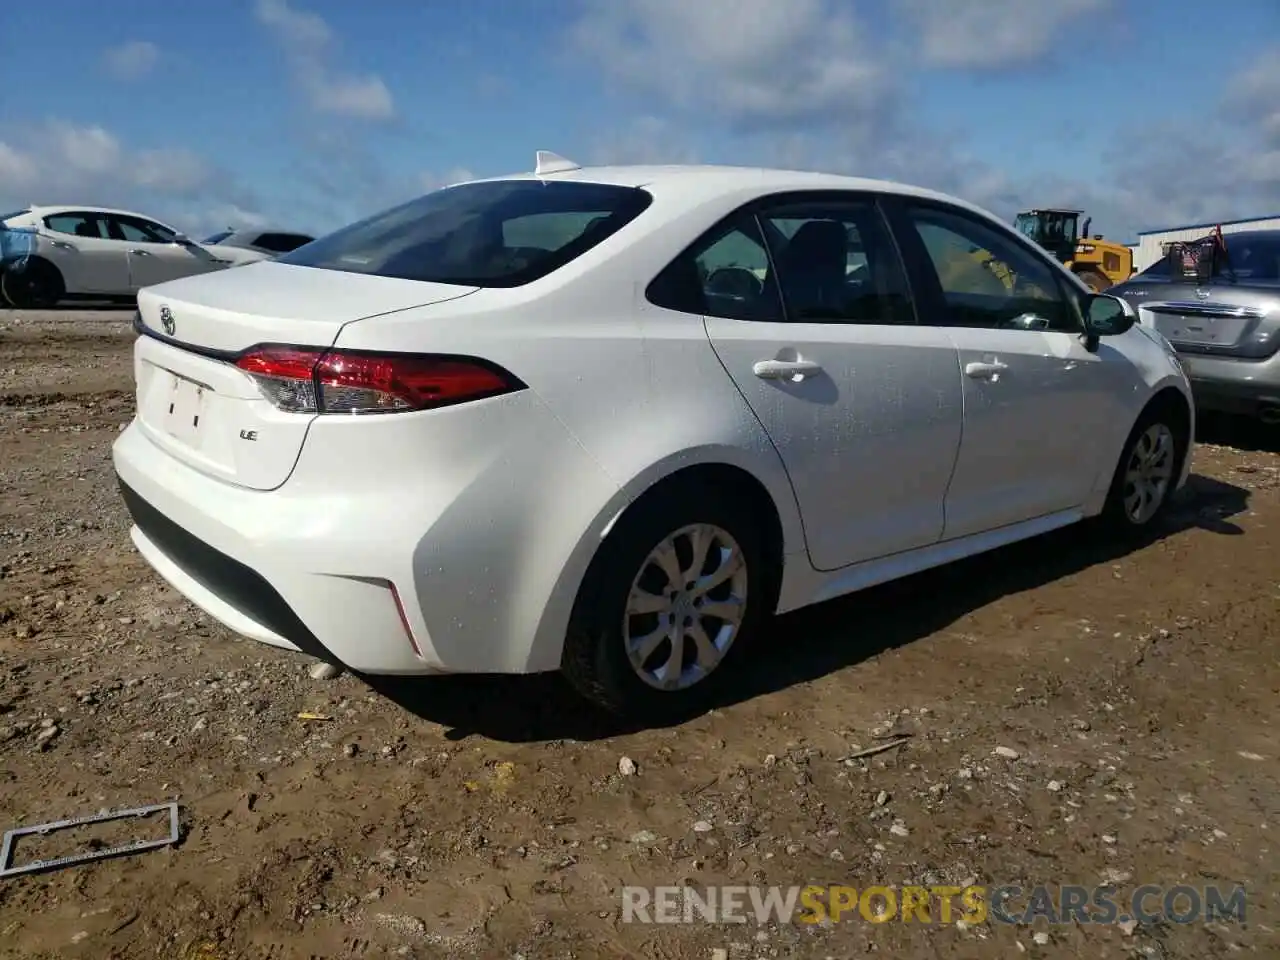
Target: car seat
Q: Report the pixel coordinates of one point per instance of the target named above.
(812, 269)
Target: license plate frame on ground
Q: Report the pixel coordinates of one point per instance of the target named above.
(11, 838)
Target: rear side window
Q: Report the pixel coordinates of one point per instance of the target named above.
(501, 233)
(217, 237)
(836, 263)
(725, 274)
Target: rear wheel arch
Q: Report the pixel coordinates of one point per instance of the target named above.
(712, 469)
(737, 506)
(727, 480)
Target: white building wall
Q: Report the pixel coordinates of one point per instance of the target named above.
(1150, 249)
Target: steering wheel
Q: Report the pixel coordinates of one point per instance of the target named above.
(734, 282)
(1027, 321)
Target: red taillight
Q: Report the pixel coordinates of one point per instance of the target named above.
(305, 380)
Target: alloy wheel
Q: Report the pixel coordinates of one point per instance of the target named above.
(685, 607)
(1149, 473)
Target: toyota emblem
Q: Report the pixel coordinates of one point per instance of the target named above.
(166, 320)
(1202, 293)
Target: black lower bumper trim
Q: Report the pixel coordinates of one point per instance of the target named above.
(1248, 400)
(236, 584)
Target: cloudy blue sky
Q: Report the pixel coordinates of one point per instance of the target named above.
(309, 113)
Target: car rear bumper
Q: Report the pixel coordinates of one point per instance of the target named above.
(229, 591)
(1233, 386)
(351, 622)
(396, 571)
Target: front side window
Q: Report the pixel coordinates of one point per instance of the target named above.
(836, 262)
(988, 279)
(502, 233)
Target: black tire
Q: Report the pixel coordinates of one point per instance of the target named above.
(595, 659)
(1118, 517)
(32, 285)
(1097, 282)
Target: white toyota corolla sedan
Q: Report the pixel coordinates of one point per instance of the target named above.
(607, 421)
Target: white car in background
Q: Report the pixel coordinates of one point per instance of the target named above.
(609, 420)
(94, 253)
(271, 242)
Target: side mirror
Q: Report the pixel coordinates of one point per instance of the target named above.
(181, 239)
(1107, 316)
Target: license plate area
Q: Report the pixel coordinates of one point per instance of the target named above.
(186, 403)
(1200, 330)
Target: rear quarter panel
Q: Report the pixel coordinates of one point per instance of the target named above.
(638, 388)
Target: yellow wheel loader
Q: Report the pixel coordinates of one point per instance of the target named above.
(1099, 263)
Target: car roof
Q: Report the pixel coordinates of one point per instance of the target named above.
(1267, 234)
(258, 231)
(43, 210)
(707, 181)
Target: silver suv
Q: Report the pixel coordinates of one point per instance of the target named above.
(1227, 329)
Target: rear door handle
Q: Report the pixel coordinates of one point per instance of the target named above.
(785, 369)
(140, 253)
(985, 371)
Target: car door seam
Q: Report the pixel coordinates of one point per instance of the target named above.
(964, 422)
(782, 461)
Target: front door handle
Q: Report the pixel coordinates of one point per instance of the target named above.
(985, 371)
(140, 253)
(62, 245)
(785, 369)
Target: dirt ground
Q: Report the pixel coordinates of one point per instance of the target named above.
(1132, 696)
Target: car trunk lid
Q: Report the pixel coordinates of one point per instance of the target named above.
(197, 405)
(1219, 319)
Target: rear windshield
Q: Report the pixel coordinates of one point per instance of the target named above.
(501, 233)
(10, 216)
(1161, 269)
(1254, 259)
(281, 242)
(1248, 258)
